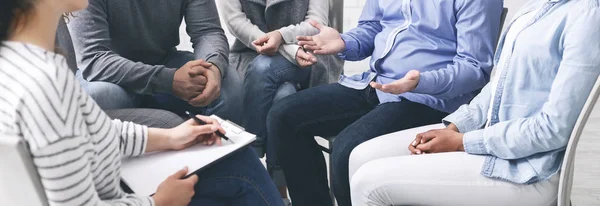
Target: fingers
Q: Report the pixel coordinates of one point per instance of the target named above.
(197, 71)
(306, 56)
(199, 80)
(305, 39)
(180, 174)
(193, 179)
(428, 136)
(260, 41)
(199, 62)
(204, 129)
(376, 85)
(315, 24)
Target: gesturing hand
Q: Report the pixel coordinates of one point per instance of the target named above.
(408, 83)
(186, 86)
(190, 133)
(328, 41)
(269, 43)
(305, 59)
(437, 141)
(213, 87)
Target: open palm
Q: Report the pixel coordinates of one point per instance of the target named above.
(328, 41)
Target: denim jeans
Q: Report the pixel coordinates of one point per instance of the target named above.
(111, 96)
(355, 116)
(239, 179)
(268, 79)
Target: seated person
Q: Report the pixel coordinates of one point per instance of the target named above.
(127, 57)
(77, 149)
(437, 54)
(507, 145)
(267, 55)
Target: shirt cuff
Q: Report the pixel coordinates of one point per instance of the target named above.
(289, 52)
(425, 84)
(473, 143)
(163, 81)
(220, 62)
(287, 35)
(351, 49)
(462, 120)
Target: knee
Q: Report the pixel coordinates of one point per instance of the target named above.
(368, 186)
(286, 89)
(280, 116)
(109, 96)
(263, 66)
(361, 155)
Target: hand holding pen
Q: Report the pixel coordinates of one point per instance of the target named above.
(219, 133)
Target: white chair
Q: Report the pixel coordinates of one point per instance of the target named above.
(19, 181)
(567, 170)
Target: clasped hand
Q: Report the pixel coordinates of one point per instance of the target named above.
(197, 82)
(437, 141)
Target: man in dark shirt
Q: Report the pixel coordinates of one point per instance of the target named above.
(127, 56)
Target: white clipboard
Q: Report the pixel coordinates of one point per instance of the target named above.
(143, 174)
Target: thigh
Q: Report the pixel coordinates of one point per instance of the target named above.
(274, 69)
(385, 118)
(176, 59)
(389, 145)
(441, 179)
(108, 95)
(319, 111)
(239, 178)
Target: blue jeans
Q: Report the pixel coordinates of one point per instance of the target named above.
(239, 179)
(355, 116)
(268, 79)
(111, 96)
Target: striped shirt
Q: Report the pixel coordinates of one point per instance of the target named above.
(75, 146)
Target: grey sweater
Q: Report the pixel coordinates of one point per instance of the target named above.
(125, 41)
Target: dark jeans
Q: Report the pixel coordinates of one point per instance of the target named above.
(110, 96)
(264, 83)
(355, 116)
(239, 179)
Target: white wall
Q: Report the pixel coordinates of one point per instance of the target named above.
(352, 10)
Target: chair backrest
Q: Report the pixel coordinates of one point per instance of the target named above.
(19, 181)
(336, 14)
(64, 44)
(566, 174)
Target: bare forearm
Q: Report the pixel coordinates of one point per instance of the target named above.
(158, 140)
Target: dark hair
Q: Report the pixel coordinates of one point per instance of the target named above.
(9, 12)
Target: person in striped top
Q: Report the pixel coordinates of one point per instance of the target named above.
(77, 148)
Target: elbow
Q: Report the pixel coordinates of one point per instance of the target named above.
(555, 132)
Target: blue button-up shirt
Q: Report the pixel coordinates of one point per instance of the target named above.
(450, 41)
(541, 90)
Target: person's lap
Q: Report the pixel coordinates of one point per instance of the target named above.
(384, 173)
(327, 111)
(239, 179)
(110, 96)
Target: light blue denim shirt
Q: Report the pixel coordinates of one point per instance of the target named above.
(450, 41)
(551, 70)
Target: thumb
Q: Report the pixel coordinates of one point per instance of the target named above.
(192, 179)
(261, 40)
(180, 174)
(413, 75)
(427, 136)
(315, 24)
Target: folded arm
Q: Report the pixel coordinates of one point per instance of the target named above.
(551, 128)
(478, 26)
(207, 37)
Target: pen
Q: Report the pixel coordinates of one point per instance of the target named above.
(199, 121)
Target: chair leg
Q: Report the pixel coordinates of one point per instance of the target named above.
(330, 171)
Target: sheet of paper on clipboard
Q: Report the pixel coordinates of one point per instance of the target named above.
(143, 174)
